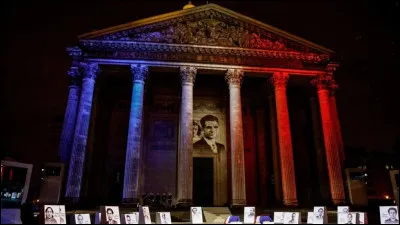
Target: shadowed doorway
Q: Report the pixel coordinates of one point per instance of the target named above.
(203, 181)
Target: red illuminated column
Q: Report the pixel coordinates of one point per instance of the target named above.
(322, 82)
(234, 79)
(185, 151)
(279, 80)
(336, 123)
(130, 192)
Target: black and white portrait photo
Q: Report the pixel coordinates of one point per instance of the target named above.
(131, 218)
(164, 218)
(279, 217)
(389, 214)
(291, 218)
(54, 214)
(207, 133)
(346, 218)
(249, 214)
(82, 218)
(110, 215)
(319, 215)
(196, 215)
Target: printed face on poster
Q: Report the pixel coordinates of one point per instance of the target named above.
(54, 214)
(132, 218)
(145, 211)
(209, 127)
(346, 218)
(291, 218)
(249, 214)
(319, 215)
(310, 217)
(196, 214)
(389, 214)
(164, 218)
(82, 218)
(112, 215)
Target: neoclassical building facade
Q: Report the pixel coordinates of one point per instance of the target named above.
(141, 92)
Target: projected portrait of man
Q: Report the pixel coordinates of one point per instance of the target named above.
(209, 144)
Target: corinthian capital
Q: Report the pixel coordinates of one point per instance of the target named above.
(279, 79)
(89, 70)
(234, 76)
(139, 72)
(324, 82)
(188, 74)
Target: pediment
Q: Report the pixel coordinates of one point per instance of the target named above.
(209, 25)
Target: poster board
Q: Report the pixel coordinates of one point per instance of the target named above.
(144, 215)
(130, 218)
(389, 214)
(279, 217)
(249, 215)
(79, 218)
(196, 215)
(53, 214)
(320, 215)
(163, 218)
(110, 215)
(310, 217)
(291, 218)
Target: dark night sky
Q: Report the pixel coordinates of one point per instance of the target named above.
(34, 84)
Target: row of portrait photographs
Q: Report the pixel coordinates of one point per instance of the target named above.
(54, 214)
(287, 217)
(249, 214)
(163, 218)
(110, 215)
(144, 215)
(82, 218)
(196, 215)
(389, 214)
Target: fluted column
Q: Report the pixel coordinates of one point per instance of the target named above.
(77, 161)
(133, 148)
(185, 160)
(336, 123)
(71, 112)
(279, 80)
(322, 82)
(234, 79)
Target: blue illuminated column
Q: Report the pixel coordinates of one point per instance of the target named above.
(71, 111)
(76, 166)
(132, 159)
(234, 78)
(185, 160)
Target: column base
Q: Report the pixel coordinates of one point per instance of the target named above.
(339, 201)
(290, 202)
(184, 203)
(238, 202)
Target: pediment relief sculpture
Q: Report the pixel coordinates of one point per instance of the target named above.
(210, 32)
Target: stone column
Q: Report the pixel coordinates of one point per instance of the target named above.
(275, 149)
(132, 159)
(279, 79)
(185, 159)
(76, 166)
(322, 82)
(71, 111)
(336, 123)
(234, 79)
